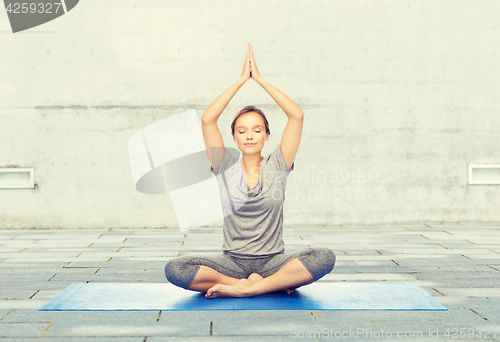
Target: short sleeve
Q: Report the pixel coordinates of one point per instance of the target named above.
(278, 161)
(227, 161)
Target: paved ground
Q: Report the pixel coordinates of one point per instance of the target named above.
(459, 266)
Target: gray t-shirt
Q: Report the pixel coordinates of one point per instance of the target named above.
(253, 217)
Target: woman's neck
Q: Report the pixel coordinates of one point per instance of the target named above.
(251, 161)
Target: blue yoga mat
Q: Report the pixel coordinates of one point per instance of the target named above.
(316, 296)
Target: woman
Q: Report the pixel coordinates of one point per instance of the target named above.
(252, 189)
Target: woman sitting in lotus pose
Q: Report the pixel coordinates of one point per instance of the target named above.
(252, 189)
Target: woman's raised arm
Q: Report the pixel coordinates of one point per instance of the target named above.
(292, 133)
(211, 132)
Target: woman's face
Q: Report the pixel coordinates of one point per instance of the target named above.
(250, 128)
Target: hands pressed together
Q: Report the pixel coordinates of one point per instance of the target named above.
(250, 67)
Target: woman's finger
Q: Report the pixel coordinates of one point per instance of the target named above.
(246, 65)
(254, 69)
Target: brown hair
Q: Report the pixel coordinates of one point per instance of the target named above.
(248, 109)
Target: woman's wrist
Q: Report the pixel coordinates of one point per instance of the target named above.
(259, 79)
(241, 80)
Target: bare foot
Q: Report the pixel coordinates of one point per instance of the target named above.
(254, 277)
(221, 290)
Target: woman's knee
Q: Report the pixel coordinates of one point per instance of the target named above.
(179, 272)
(171, 268)
(327, 256)
(320, 261)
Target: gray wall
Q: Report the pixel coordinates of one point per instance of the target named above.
(405, 92)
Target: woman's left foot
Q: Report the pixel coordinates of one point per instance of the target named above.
(221, 290)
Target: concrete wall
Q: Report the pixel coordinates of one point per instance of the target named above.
(405, 92)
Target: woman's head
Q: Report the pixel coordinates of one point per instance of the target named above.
(250, 124)
(249, 109)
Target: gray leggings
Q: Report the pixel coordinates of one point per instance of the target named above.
(181, 270)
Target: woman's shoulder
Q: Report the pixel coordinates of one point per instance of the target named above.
(276, 160)
(230, 158)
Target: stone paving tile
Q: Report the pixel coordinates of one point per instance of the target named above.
(73, 274)
(21, 304)
(56, 237)
(461, 283)
(16, 243)
(24, 273)
(239, 338)
(149, 248)
(81, 339)
(120, 238)
(371, 321)
(102, 324)
(103, 244)
(417, 251)
(441, 330)
(359, 251)
(37, 260)
(4, 250)
(475, 272)
(52, 250)
(409, 257)
(44, 255)
(345, 316)
(136, 263)
(84, 255)
(67, 243)
(371, 262)
(468, 247)
(15, 329)
(7, 265)
(126, 253)
(470, 317)
(200, 252)
(139, 259)
(470, 292)
(15, 294)
(156, 275)
(4, 313)
(36, 286)
(118, 327)
(373, 269)
(456, 302)
(246, 322)
(422, 327)
(339, 262)
(201, 248)
(492, 313)
(392, 277)
(90, 263)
